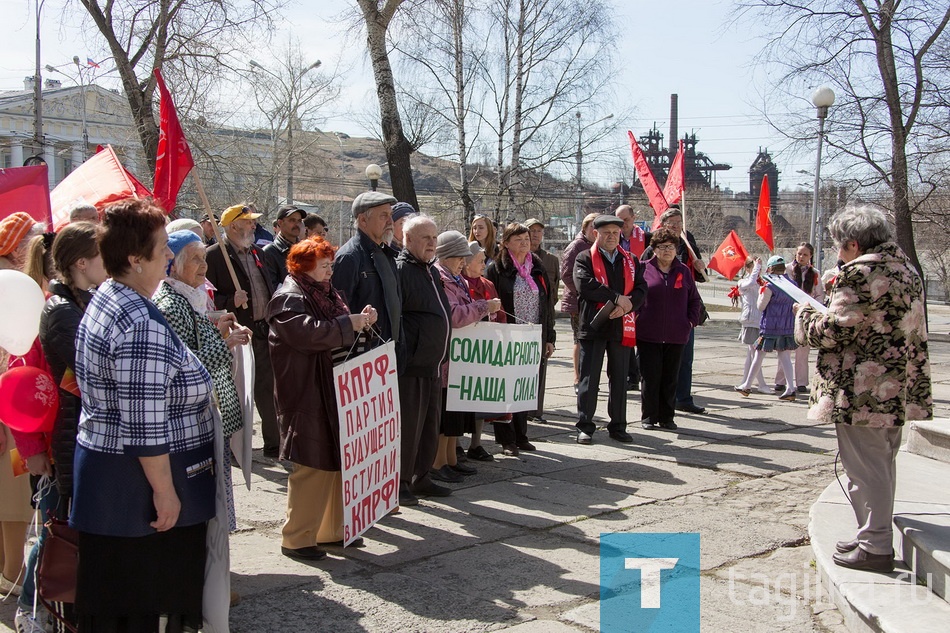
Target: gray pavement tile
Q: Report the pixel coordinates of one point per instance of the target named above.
(750, 458)
(645, 477)
(540, 502)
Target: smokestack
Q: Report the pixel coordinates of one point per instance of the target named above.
(674, 125)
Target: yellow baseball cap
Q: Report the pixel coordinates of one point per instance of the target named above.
(237, 212)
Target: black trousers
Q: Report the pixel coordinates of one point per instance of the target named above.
(542, 378)
(633, 371)
(514, 431)
(591, 364)
(659, 366)
(264, 393)
(421, 402)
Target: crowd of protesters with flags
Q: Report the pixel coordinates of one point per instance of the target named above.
(146, 344)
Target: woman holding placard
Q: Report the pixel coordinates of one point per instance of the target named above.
(310, 327)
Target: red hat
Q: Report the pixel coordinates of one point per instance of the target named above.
(13, 229)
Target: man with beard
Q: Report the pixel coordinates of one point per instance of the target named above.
(249, 305)
(425, 344)
(289, 225)
(364, 270)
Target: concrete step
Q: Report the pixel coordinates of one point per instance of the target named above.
(930, 438)
(897, 602)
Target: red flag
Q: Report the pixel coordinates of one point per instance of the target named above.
(657, 201)
(676, 181)
(173, 160)
(730, 257)
(99, 181)
(763, 219)
(25, 189)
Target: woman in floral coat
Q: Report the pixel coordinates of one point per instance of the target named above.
(873, 373)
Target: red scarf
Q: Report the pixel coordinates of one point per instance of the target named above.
(629, 270)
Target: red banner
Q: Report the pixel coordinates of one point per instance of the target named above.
(173, 160)
(763, 219)
(730, 257)
(25, 189)
(657, 201)
(99, 181)
(676, 181)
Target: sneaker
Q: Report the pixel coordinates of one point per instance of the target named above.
(647, 425)
(26, 623)
(583, 438)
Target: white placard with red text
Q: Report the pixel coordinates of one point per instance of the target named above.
(367, 397)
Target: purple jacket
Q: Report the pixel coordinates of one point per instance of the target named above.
(465, 310)
(569, 298)
(672, 306)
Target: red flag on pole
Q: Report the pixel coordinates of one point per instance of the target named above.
(25, 189)
(99, 181)
(730, 257)
(173, 160)
(763, 219)
(657, 201)
(676, 181)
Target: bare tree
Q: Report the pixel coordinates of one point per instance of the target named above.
(377, 17)
(188, 36)
(888, 65)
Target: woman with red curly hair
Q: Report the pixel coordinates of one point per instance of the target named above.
(310, 328)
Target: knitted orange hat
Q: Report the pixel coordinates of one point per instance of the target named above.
(13, 229)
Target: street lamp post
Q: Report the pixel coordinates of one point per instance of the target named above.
(82, 106)
(292, 104)
(373, 172)
(579, 213)
(823, 98)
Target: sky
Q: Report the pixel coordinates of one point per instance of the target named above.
(685, 47)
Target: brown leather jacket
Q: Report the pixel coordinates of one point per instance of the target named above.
(301, 341)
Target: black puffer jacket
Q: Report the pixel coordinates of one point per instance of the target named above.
(58, 325)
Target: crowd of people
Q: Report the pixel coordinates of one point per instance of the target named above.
(150, 318)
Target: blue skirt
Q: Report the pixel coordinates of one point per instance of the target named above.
(776, 343)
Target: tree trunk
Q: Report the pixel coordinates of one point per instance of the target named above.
(397, 146)
(461, 107)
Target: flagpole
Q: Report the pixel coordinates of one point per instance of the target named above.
(701, 274)
(218, 233)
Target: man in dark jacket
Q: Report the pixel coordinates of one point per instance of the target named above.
(606, 275)
(289, 225)
(551, 268)
(364, 270)
(249, 305)
(425, 343)
(688, 253)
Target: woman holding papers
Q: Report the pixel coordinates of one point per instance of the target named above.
(873, 373)
(310, 327)
(776, 331)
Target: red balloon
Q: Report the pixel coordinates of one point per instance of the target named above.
(29, 400)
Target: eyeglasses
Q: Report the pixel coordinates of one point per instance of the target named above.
(665, 247)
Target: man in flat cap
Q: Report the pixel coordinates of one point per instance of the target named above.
(249, 305)
(551, 268)
(289, 224)
(364, 270)
(610, 286)
(207, 229)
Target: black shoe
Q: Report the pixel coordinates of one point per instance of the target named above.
(460, 454)
(802, 389)
(584, 438)
(621, 436)
(647, 425)
(779, 388)
(844, 547)
(539, 419)
(304, 553)
(691, 408)
(445, 474)
(479, 454)
(577, 388)
(633, 385)
(510, 449)
(407, 499)
(863, 560)
(525, 445)
(357, 542)
(464, 469)
(272, 453)
(669, 426)
(431, 490)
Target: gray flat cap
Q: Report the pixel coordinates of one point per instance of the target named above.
(369, 199)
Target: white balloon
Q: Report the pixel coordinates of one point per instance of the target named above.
(23, 302)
